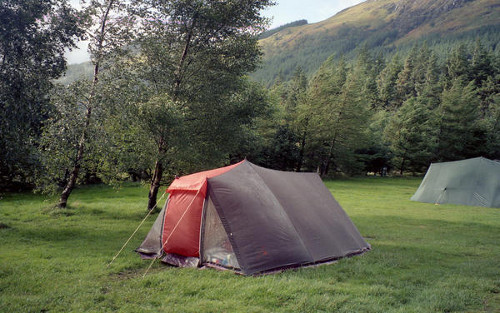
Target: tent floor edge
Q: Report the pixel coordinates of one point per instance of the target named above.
(326, 261)
(221, 268)
(278, 270)
(180, 260)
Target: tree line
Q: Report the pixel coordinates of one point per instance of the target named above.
(399, 114)
(170, 95)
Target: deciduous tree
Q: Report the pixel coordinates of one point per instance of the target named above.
(109, 31)
(194, 53)
(34, 35)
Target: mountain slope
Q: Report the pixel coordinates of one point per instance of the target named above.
(384, 25)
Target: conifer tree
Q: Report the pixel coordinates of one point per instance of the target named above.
(481, 64)
(297, 87)
(457, 65)
(492, 124)
(300, 116)
(341, 108)
(386, 83)
(405, 85)
(430, 87)
(411, 135)
(461, 134)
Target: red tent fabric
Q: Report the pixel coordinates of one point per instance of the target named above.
(181, 231)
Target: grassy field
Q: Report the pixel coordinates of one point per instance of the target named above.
(425, 258)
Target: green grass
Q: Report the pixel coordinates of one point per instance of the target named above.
(425, 258)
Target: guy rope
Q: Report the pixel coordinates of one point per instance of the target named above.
(149, 213)
(173, 230)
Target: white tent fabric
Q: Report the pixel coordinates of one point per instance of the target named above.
(473, 182)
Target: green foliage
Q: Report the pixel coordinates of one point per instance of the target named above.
(461, 134)
(176, 98)
(341, 100)
(61, 135)
(33, 38)
(377, 155)
(481, 64)
(109, 30)
(76, 72)
(282, 153)
(365, 115)
(124, 150)
(419, 76)
(410, 134)
(193, 56)
(492, 123)
(457, 65)
(425, 258)
(387, 83)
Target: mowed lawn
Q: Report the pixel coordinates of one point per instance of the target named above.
(425, 258)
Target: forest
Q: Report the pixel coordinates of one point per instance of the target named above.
(171, 94)
(359, 116)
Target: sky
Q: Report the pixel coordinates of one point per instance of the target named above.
(285, 11)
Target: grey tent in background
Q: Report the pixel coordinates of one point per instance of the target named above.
(252, 220)
(467, 182)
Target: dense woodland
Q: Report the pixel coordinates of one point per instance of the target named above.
(174, 96)
(403, 113)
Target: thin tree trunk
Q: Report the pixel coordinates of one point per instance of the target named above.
(70, 185)
(328, 160)
(301, 152)
(332, 145)
(155, 185)
(401, 169)
(178, 72)
(302, 146)
(81, 144)
(158, 173)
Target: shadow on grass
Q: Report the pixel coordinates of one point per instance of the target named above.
(102, 212)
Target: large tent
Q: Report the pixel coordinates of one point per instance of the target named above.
(468, 182)
(252, 220)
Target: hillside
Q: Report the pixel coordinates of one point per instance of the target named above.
(273, 31)
(383, 25)
(75, 72)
